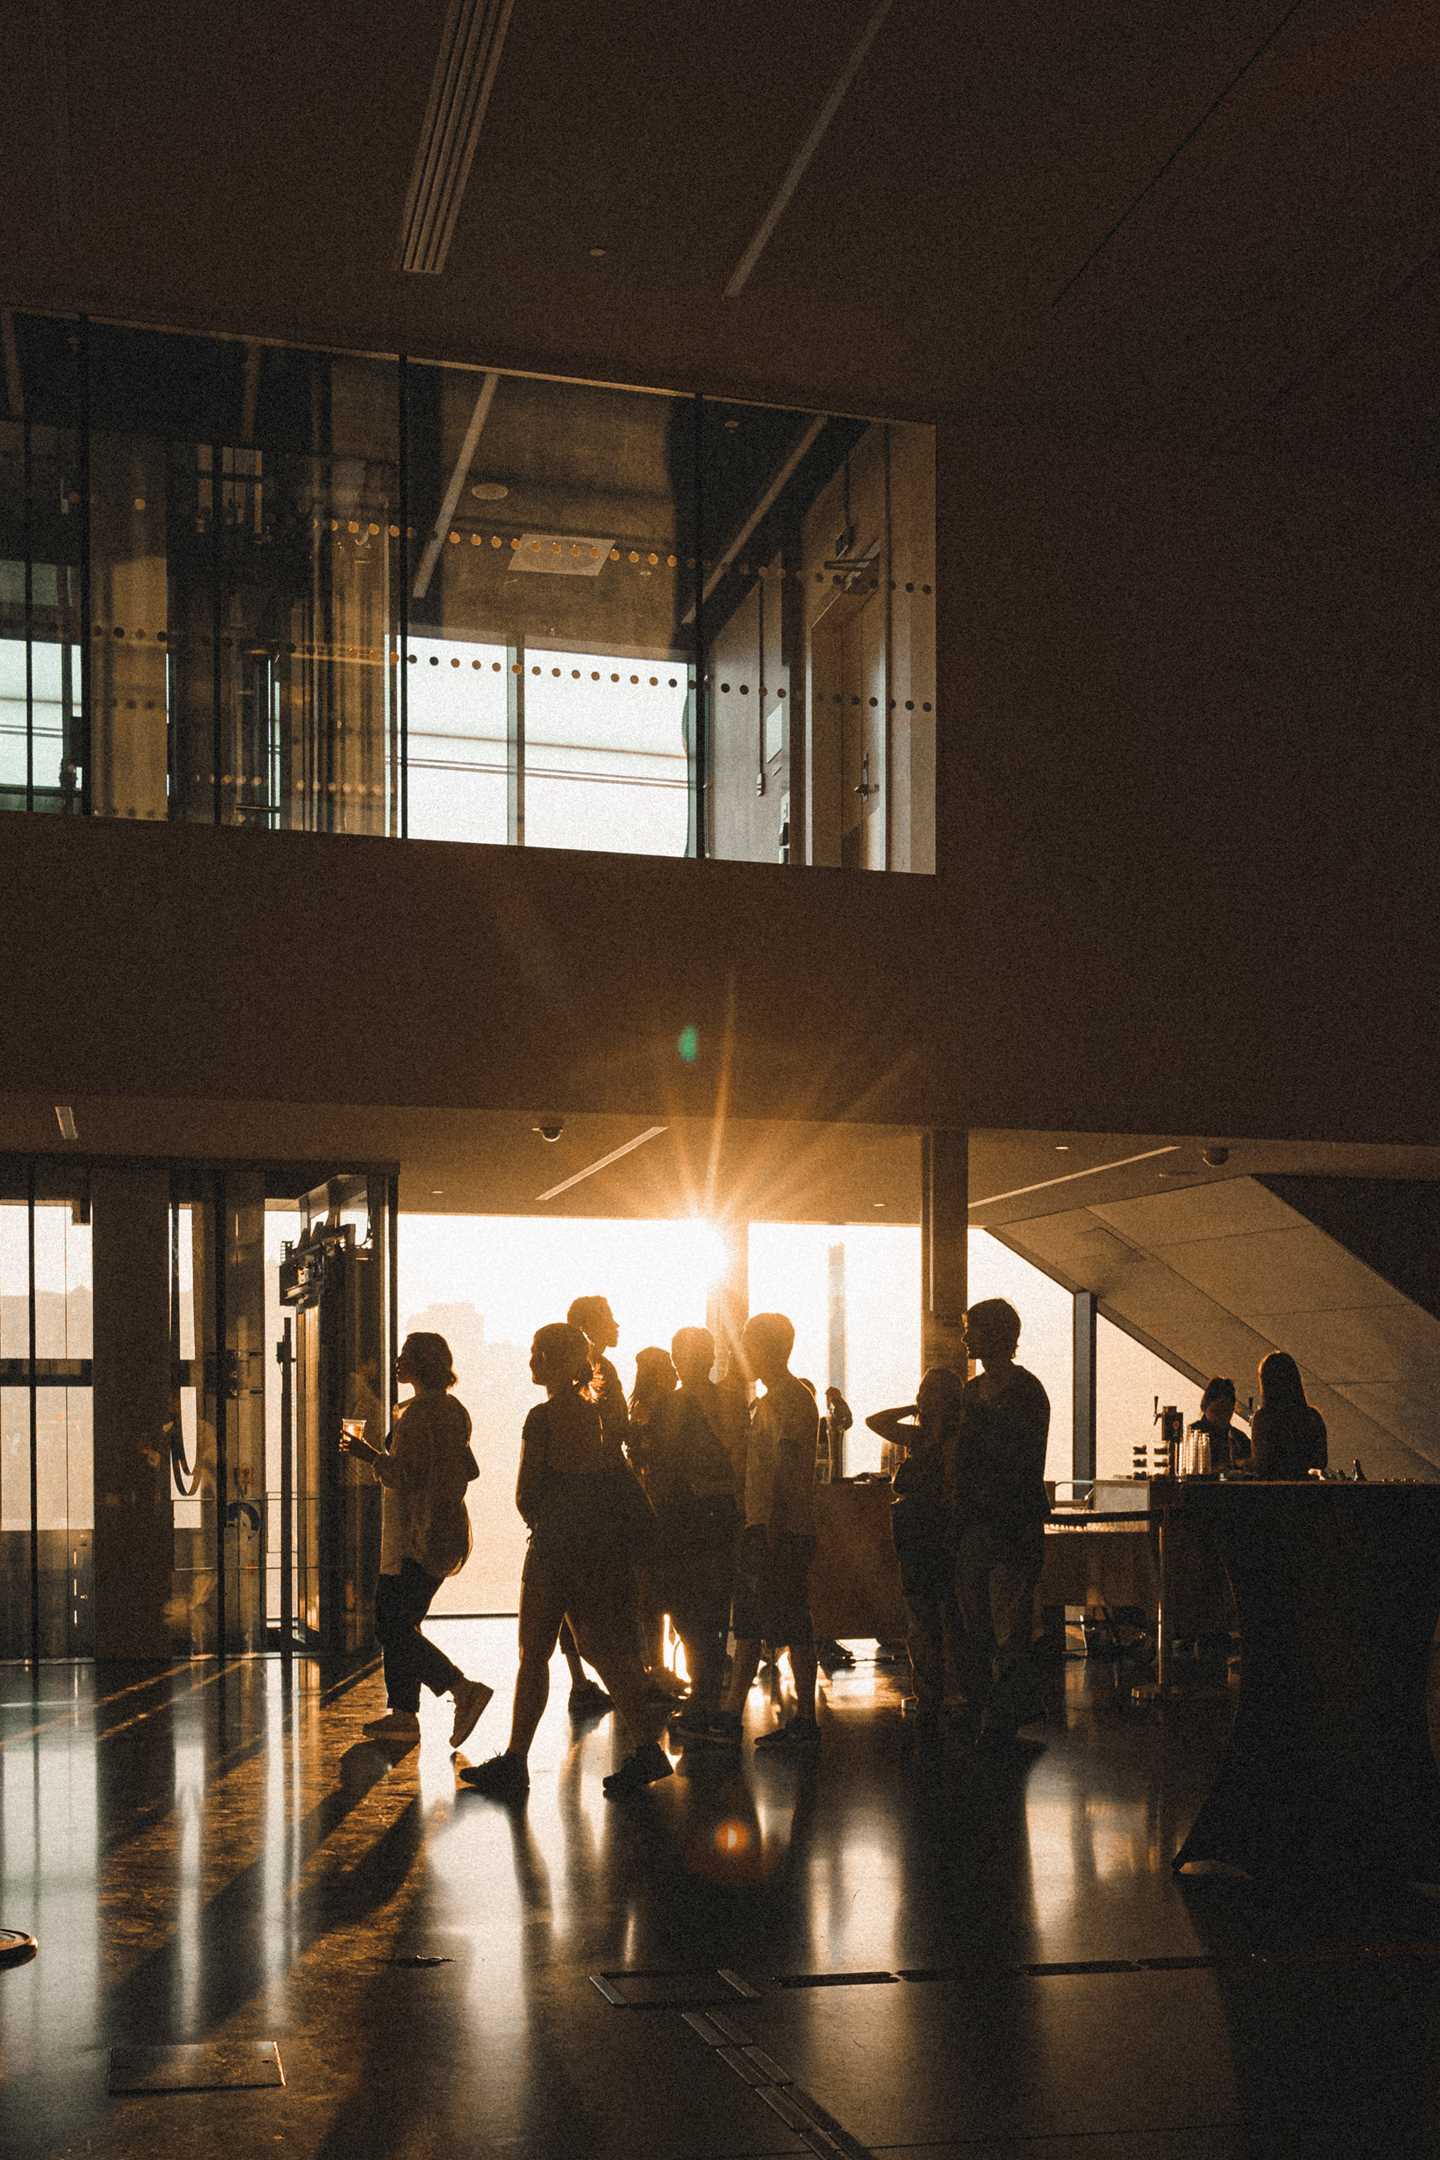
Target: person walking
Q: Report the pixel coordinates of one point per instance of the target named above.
(575, 1569)
(423, 1470)
(998, 1507)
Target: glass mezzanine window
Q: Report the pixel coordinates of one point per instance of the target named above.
(257, 584)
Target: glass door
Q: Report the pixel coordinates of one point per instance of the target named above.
(47, 1499)
(333, 1357)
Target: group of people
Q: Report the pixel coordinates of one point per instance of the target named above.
(692, 1501)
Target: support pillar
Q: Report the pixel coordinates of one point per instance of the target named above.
(134, 1534)
(944, 1234)
(727, 1307)
(1083, 1455)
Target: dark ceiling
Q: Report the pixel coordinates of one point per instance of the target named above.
(1212, 228)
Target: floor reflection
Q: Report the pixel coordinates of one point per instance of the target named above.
(208, 1854)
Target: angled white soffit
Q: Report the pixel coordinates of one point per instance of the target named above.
(465, 69)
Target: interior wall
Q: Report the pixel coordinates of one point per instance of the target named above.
(1186, 877)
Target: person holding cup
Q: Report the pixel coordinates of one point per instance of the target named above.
(423, 1470)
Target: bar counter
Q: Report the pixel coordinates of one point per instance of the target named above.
(1329, 1765)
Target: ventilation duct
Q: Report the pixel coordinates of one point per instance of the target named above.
(459, 96)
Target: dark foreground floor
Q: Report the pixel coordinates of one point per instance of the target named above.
(946, 1954)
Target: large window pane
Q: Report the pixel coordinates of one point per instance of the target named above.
(819, 638)
(458, 763)
(243, 542)
(1129, 1380)
(605, 754)
(554, 561)
(42, 755)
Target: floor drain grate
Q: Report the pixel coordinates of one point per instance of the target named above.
(840, 1979)
(642, 1990)
(195, 2066)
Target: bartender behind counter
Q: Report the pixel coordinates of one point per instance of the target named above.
(1229, 1447)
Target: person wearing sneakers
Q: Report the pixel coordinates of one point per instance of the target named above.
(423, 1470)
(772, 1597)
(576, 1567)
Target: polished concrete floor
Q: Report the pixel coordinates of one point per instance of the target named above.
(892, 1950)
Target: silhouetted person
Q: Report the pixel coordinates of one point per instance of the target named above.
(423, 1469)
(655, 1384)
(1229, 1447)
(1287, 1435)
(574, 1569)
(772, 1589)
(692, 1483)
(839, 1418)
(998, 1507)
(921, 1529)
(596, 1322)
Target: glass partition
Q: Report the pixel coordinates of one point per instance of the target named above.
(43, 491)
(47, 1500)
(247, 583)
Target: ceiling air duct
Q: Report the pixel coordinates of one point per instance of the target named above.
(459, 95)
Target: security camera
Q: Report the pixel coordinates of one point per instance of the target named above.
(550, 1128)
(1214, 1157)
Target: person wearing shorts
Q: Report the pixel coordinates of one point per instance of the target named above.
(772, 1588)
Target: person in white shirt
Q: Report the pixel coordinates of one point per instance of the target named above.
(423, 1469)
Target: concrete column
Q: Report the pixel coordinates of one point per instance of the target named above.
(727, 1307)
(134, 1537)
(1083, 1459)
(944, 1231)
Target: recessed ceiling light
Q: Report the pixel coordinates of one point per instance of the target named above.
(65, 1119)
(597, 253)
(1062, 1147)
(490, 491)
(437, 1192)
(877, 1203)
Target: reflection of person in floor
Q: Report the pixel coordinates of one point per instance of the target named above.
(772, 1590)
(920, 1526)
(423, 1470)
(998, 1507)
(577, 1567)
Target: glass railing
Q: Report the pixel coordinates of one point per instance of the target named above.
(252, 584)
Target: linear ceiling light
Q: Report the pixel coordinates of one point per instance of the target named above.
(1019, 1191)
(65, 1119)
(464, 77)
(760, 240)
(603, 1162)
